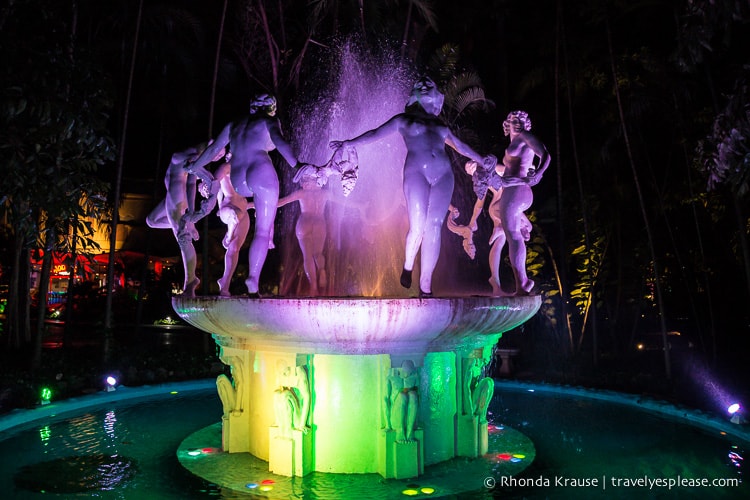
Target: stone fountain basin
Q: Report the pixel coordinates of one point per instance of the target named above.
(356, 325)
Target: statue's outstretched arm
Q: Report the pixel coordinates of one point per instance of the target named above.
(373, 135)
(290, 198)
(282, 146)
(197, 167)
(466, 150)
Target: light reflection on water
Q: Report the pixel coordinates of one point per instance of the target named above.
(576, 438)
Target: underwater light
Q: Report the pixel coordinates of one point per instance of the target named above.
(111, 383)
(734, 411)
(45, 395)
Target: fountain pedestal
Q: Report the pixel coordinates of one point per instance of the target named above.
(355, 385)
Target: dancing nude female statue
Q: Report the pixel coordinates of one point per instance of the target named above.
(428, 178)
(519, 174)
(249, 141)
(177, 211)
(497, 238)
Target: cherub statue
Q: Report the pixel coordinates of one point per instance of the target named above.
(311, 231)
(232, 210)
(497, 238)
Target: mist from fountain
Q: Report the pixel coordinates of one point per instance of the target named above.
(366, 230)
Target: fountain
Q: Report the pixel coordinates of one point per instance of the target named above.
(365, 379)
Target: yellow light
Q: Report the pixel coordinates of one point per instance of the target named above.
(266, 488)
(640, 347)
(427, 491)
(519, 455)
(410, 492)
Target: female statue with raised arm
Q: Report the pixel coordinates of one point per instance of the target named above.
(428, 178)
(249, 141)
(177, 211)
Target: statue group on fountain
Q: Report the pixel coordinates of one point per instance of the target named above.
(428, 181)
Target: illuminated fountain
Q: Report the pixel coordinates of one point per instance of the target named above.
(366, 379)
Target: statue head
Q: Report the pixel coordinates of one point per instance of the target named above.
(426, 93)
(311, 180)
(265, 103)
(407, 368)
(516, 121)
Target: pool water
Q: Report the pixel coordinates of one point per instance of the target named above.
(627, 451)
(128, 449)
(143, 436)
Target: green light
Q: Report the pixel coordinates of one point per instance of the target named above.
(46, 394)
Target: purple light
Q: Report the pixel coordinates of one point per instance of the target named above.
(111, 381)
(733, 408)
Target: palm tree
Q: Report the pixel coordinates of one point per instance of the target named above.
(117, 187)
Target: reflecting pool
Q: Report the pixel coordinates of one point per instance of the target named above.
(586, 445)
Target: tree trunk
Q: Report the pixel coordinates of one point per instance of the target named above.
(647, 226)
(404, 40)
(13, 307)
(116, 197)
(41, 297)
(69, 302)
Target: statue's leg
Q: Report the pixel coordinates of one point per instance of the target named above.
(189, 260)
(482, 397)
(416, 191)
(398, 416)
(513, 202)
(497, 242)
(411, 418)
(266, 200)
(438, 200)
(305, 231)
(239, 233)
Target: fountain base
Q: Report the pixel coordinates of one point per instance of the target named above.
(510, 453)
(355, 386)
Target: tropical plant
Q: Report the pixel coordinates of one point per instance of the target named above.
(54, 134)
